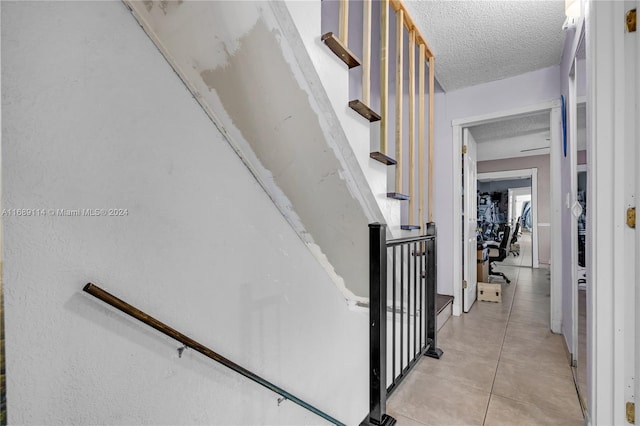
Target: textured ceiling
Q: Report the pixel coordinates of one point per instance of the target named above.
(512, 127)
(521, 136)
(480, 41)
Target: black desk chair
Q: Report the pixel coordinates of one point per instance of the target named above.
(503, 252)
(514, 248)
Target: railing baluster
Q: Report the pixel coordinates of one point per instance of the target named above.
(384, 74)
(393, 316)
(401, 309)
(412, 115)
(399, 97)
(343, 30)
(366, 52)
(415, 298)
(421, 112)
(432, 66)
(422, 275)
(408, 328)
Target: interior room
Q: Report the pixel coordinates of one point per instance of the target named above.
(348, 212)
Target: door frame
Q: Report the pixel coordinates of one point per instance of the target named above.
(533, 175)
(610, 330)
(457, 125)
(514, 193)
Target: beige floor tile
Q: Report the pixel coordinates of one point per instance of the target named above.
(501, 364)
(529, 317)
(484, 342)
(507, 412)
(538, 333)
(533, 289)
(533, 336)
(490, 311)
(490, 332)
(534, 386)
(541, 305)
(551, 362)
(435, 401)
(462, 369)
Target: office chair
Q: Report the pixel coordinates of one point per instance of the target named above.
(502, 253)
(514, 247)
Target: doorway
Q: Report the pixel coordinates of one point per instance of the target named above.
(509, 178)
(502, 202)
(549, 146)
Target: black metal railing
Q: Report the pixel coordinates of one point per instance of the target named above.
(132, 311)
(402, 281)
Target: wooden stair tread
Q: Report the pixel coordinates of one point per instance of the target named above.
(383, 158)
(397, 196)
(442, 301)
(358, 106)
(340, 50)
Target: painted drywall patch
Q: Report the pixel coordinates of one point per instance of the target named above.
(261, 96)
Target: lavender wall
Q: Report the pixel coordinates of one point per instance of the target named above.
(517, 92)
(541, 162)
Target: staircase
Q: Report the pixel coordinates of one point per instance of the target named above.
(321, 154)
(358, 33)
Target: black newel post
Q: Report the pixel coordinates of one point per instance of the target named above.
(378, 327)
(432, 290)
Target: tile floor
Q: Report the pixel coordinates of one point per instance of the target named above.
(501, 364)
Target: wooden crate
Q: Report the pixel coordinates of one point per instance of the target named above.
(490, 292)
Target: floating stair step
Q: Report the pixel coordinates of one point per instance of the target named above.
(364, 110)
(442, 301)
(409, 227)
(340, 50)
(443, 309)
(397, 196)
(383, 158)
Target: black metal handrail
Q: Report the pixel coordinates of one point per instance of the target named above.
(134, 312)
(400, 241)
(413, 275)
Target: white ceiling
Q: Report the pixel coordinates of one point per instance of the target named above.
(512, 127)
(477, 41)
(513, 137)
(521, 136)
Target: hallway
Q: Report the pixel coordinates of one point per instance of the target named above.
(501, 364)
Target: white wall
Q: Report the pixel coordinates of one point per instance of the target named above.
(521, 91)
(294, 144)
(94, 117)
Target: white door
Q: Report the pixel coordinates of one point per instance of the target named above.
(613, 270)
(470, 221)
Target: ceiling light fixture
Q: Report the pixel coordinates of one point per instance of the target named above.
(534, 149)
(573, 10)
